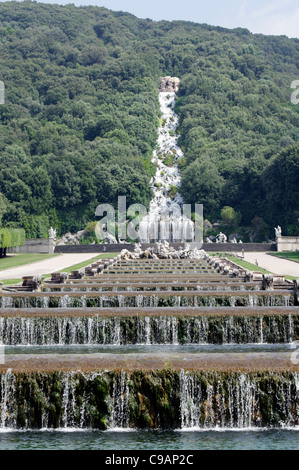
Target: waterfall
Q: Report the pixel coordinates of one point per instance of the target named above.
(165, 220)
(68, 400)
(209, 400)
(261, 330)
(147, 327)
(164, 329)
(191, 399)
(152, 298)
(290, 329)
(120, 401)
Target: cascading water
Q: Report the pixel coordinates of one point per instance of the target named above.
(120, 415)
(7, 400)
(168, 330)
(237, 400)
(165, 220)
(152, 299)
(191, 399)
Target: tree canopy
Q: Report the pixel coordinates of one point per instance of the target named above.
(81, 113)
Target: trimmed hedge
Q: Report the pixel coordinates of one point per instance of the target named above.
(11, 237)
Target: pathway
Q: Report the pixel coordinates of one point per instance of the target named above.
(273, 264)
(57, 263)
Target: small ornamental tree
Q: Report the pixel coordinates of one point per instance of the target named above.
(10, 238)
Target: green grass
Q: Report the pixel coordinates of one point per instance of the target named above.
(16, 260)
(69, 269)
(246, 265)
(290, 255)
(11, 282)
(253, 267)
(76, 267)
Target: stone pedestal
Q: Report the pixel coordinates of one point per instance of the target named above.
(287, 243)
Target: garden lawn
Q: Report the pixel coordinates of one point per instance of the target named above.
(76, 267)
(19, 259)
(290, 255)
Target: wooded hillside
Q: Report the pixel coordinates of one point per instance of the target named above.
(81, 113)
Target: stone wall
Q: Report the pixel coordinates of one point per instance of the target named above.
(35, 245)
(238, 247)
(288, 244)
(210, 247)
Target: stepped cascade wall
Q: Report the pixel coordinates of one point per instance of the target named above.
(176, 312)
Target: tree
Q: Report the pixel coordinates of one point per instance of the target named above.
(280, 183)
(230, 216)
(3, 206)
(202, 184)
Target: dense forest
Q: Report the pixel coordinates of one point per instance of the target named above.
(81, 112)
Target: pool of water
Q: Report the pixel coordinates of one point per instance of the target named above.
(278, 439)
(152, 349)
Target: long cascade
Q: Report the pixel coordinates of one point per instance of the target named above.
(165, 220)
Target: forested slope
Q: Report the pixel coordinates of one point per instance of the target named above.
(81, 115)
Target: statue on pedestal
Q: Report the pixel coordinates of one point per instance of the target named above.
(52, 233)
(278, 231)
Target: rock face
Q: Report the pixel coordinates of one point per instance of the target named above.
(169, 84)
(71, 239)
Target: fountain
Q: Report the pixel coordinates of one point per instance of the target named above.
(165, 220)
(178, 302)
(159, 338)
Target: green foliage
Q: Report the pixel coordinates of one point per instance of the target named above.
(235, 113)
(168, 160)
(81, 114)
(11, 237)
(3, 207)
(280, 183)
(81, 103)
(182, 163)
(172, 191)
(202, 184)
(230, 216)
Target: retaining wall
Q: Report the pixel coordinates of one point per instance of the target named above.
(35, 245)
(210, 247)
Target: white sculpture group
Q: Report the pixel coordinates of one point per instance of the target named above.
(52, 233)
(222, 238)
(163, 250)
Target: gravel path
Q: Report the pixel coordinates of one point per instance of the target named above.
(57, 263)
(273, 264)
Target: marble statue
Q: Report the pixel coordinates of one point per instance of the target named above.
(278, 231)
(52, 233)
(137, 248)
(221, 238)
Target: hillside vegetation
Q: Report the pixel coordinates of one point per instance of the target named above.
(81, 114)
